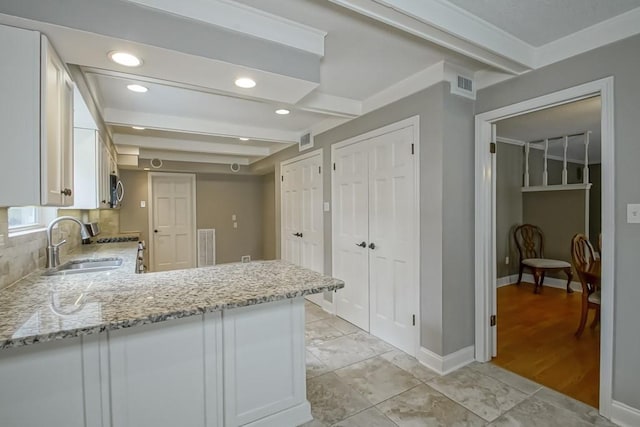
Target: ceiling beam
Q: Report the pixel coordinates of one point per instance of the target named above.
(197, 126)
(193, 157)
(247, 20)
(446, 25)
(150, 142)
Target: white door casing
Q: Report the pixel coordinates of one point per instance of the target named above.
(376, 201)
(485, 226)
(172, 221)
(302, 237)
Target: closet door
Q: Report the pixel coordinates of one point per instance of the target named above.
(392, 258)
(291, 213)
(351, 232)
(302, 215)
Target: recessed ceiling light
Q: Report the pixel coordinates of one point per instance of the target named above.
(138, 127)
(124, 58)
(282, 112)
(243, 139)
(137, 88)
(245, 83)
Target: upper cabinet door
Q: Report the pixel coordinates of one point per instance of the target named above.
(56, 138)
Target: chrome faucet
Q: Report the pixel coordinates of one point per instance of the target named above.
(53, 251)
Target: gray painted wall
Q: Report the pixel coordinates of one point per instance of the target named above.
(622, 61)
(446, 164)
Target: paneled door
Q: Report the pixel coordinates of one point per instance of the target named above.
(393, 289)
(172, 221)
(302, 214)
(351, 232)
(375, 234)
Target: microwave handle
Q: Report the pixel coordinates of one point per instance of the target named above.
(119, 191)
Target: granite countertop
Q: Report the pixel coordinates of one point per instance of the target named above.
(41, 308)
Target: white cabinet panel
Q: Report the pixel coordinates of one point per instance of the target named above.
(167, 374)
(36, 118)
(264, 366)
(48, 381)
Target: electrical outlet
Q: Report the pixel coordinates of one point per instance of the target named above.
(245, 258)
(633, 213)
(233, 217)
(143, 204)
(235, 225)
(506, 260)
(327, 207)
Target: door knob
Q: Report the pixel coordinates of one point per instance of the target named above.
(362, 244)
(372, 246)
(155, 231)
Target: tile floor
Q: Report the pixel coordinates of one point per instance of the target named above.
(357, 380)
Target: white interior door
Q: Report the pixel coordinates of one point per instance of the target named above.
(302, 215)
(291, 213)
(351, 232)
(392, 240)
(172, 221)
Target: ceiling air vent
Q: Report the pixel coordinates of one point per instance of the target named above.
(306, 141)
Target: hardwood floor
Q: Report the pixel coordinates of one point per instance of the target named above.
(535, 340)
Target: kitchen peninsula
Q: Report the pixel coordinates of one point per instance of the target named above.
(213, 346)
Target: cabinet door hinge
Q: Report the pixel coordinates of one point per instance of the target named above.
(412, 149)
(320, 169)
(492, 147)
(334, 166)
(414, 320)
(282, 178)
(494, 320)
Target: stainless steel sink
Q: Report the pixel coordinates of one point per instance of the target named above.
(85, 266)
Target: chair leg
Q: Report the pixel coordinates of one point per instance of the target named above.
(542, 276)
(596, 319)
(520, 274)
(569, 278)
(537, 280)
(583, 318)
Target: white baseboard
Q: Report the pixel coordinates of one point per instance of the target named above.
(449, 363)
(294, 416)
(551, 282)
(624, 415)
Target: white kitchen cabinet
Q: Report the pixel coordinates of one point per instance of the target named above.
(36, 122)
(93, 164)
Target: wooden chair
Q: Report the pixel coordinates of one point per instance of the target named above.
(582, 254)
(530, 243)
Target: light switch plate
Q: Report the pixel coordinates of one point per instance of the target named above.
(327, 207)
(633, 213)
(143, 204)
(235, 225)
(233, 217)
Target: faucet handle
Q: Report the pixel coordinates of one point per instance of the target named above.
(62, 242)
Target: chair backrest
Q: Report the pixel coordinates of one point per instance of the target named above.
(529, 241)
(582, 251)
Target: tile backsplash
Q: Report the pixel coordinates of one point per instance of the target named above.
(23, 254)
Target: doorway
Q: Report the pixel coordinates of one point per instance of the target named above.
(485, 245)
(172, 221)
(375, 227)
(302, 214)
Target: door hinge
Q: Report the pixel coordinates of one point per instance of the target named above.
(334, 166)
(414, 320)
(412, 149)
(320, 169)
(282, 178)
(493, 320)
(492, 147)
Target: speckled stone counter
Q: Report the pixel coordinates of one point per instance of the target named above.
(41, 308)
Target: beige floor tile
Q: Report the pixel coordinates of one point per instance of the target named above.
(534, 412)
(583, 411)
(514, 380)
(377, 379)
(349, 349)
(424, 406)
(332, 400)
(314, 366)
(409, 364)
(481, 394)
(371, 417)
(319, 332)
